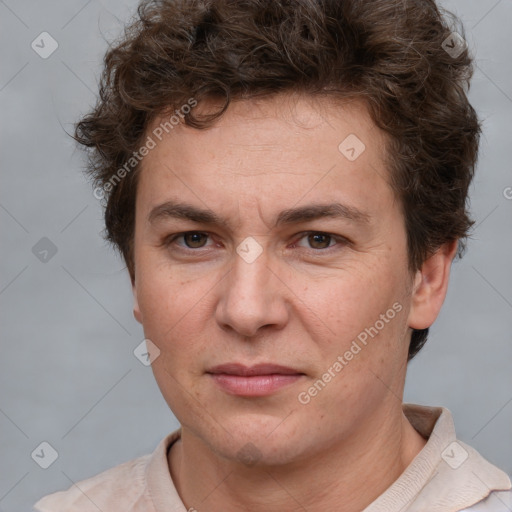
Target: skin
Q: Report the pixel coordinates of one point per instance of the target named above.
(300, 304)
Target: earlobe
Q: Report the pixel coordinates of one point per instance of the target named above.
(430, 287)
(136, 309)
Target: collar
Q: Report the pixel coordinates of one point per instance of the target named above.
(446, 476)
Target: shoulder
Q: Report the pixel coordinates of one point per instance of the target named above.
(123, 485)
(497, 501)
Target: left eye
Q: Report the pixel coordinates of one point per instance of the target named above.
(318, 240)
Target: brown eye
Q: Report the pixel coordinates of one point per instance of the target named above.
(321, 243)
(319, 240)
(195, 240)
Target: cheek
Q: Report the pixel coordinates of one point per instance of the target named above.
(360, 317)
(354, 298)
(172, 305)
(161, 302)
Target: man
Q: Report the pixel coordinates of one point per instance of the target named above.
(287, 183)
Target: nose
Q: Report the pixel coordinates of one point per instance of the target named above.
(252, 298)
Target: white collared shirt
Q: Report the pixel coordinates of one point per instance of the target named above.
(446, 476)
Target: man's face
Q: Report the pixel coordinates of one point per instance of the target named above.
(267, 286)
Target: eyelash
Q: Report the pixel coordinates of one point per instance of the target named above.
(339, 239)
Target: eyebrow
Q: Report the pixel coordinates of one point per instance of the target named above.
(177, 210)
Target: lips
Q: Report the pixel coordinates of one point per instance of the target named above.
(253, 381)
(247, 371)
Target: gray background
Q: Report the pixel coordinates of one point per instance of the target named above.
(68, 375)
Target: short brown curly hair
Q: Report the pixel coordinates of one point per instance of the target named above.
(393, 54)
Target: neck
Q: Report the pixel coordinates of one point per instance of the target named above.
(347, 477)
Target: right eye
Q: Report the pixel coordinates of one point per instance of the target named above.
(192, 240)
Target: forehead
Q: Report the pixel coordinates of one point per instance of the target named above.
(278, 149)
(294, 115)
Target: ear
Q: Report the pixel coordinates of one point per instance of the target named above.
(136, 310)
(430, 287)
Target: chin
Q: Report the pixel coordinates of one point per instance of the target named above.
(257, 440)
